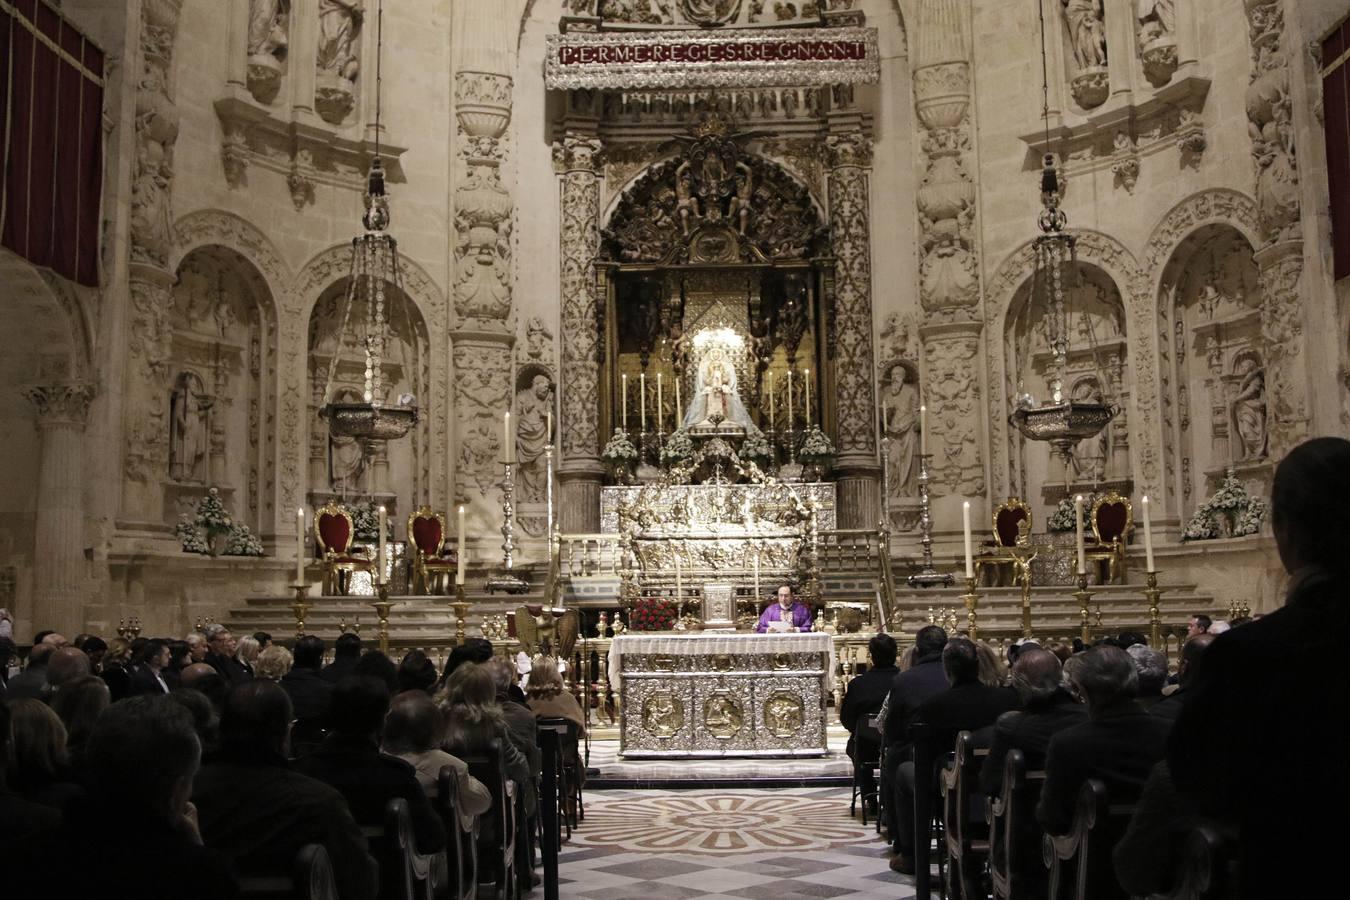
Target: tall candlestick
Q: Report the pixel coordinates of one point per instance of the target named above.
(806, 380)
(923, 430)
(660, 406)
(1148, 538)
(770, 402)
(679, 406)
(508, 439)
(756, 576)
(642, 402)
(1078, 525)
(459, 565)
(300, 545)
(380, 557)
(789, 393)
(679, 591)
(624, 394)
(965, 522)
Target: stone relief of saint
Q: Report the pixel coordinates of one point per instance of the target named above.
(1157, 18)
(346, 455)
(189, 431)
(532, 406)
(267, 27)
(1087, 33)
(1248, 411)
(339, 24)
(900, 419)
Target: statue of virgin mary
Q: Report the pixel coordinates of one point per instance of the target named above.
(717, 402)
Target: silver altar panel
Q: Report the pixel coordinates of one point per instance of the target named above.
(718, 503)
(722, 695)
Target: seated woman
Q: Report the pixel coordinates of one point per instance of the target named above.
(473, 720)
(39, 764)
(413, 732)
(548, 699)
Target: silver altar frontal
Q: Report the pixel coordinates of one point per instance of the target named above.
(722, 695)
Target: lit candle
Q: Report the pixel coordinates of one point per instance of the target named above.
(508, 440)
(789, 393)
(1078, 525)
(923, 430)
(965, 522)
(806, 380)
(660, 406)
(380, 557)
(642, 402)
(771, 401)
(1148, 539)
(679, 591)
(679, 405)
(459, 571)
(624, 394)
(300, 545)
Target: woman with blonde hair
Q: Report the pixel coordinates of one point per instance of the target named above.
(116, 671)
(547, 697)
(39, 764)
(473, 720)
(247, 655)
(273, 663)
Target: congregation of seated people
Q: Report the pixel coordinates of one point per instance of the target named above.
(1212, 781)
(213, 761)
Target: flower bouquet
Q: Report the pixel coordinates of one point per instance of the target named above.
(621, 456)
(210, 531)
(1062, 518)
(366, 522)
(757, 449)
(679, 449)
(816, 453)
(1231, 512)
(652, 614)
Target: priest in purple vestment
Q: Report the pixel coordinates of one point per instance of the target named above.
(785, 615)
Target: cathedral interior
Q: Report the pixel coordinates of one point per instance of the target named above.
(673, 299)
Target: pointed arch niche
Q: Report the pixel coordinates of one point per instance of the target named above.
(394, 473)
(1214, 395)
(1098, 367)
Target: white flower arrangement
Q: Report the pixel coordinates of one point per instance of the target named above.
(679, 449)
(757, 448)
(1231, 505)
(243, 542)
(620, 450)
(366, 522)
(1062, 518)
(816, 447)
(196, 530)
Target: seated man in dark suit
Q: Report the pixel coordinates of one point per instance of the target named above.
(350, 760)
(1118, 744)
(863, 698)
(1047, 708)
(311, 696)
(257, 811)
(923, 679)
(1169, 707)
(223, 655)
(346, 654)
(148, 678)
(967, 705)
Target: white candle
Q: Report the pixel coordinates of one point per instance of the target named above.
(642, 402)
(789, 393)
(1078, 525)
(806, 380)
(1148, 539)
(459, 570)
(679, 406)
(965, 523)
(756, 575)
(678, 586)
(508, 439)
(380, 557)
(923, 430)
(770, 403)
(300, 545)
(548, 427)
(660, 406)
(623, 393)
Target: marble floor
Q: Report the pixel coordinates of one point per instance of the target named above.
(778, 843)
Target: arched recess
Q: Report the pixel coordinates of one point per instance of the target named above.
(1186, 238)
(1119, 265)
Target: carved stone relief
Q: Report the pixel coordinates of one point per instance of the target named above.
(268, 39)
(338, 59)
(156, 134)
(1086, 23)
(576, 158)
(1157, 33)
(483, 207)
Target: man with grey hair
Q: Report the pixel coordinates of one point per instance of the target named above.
(1118, 744)
(197, 646)
(223, 655)
(1047, 709)
(1151, 666)
(64, 666)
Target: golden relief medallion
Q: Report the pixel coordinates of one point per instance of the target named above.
(784, 714)
(722, 662)
(722, 716)
(782, 661)
(663, 714)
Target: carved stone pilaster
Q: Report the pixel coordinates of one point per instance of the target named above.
(156, 134)
(850, 157)
(1281, 266)
(58, 539)
(576, 159)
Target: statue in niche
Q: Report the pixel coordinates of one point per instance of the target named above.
(156, 132)
(1248, 411)
(716, 398)
(1157, 18)
(1090, 456)
(686, 202)
(267, 27)
(1087, 33)
(538, 339)
(339, 24)
(710, 12)
(533, 404)
(346, 455)
(900, 419)
(189, 430)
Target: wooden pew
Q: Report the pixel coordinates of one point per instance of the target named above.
(461, 842)
(405, 874)
(1080, 861)
(498, 826)
(866, 755)
(311, 878)
(927, 759)
(967, 836)
(1206, 868)
(1011, 816)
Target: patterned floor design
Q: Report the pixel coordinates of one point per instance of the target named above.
(604, 757)
(762, 844)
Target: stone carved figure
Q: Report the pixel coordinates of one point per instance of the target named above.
(710, 12)
(1248, 411)
(900, 419)
(1091, 456)
(533, 404)
(156, 131)
(1157, 18)
(189, 430)
(339, 25)
(267, 27)
(538, 339)
(1087, 32)
(346, 455)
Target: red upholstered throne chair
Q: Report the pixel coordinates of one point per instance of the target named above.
(432, 565)
(334, 533)
(1112, 519)
(1012, 529)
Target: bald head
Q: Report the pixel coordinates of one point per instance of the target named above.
(1191, 652)
(1036, 675)
(195, 673)
(65, 665)
(52, 639)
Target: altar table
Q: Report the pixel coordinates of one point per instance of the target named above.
(722, 695)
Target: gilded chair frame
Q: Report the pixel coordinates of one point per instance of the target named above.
(428, 571)
(338, 563)
(1002, 554)
(1110, 552)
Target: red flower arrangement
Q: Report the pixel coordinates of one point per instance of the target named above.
(652, 614)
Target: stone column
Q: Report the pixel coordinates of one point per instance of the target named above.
(850, 158)
(58, 535)
(949, 267)
(576, 159)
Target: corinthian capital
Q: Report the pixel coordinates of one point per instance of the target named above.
(60, 404)
(575, 153)
(851, 149)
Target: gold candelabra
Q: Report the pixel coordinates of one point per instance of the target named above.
(1084, 597)
(382, 607)
(461, 607)
(300, 607)
(130, 629)
(1153, 595)
(971, 600)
